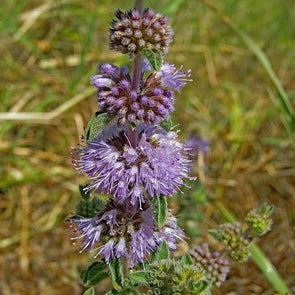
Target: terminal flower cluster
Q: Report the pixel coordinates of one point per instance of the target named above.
(132, 31)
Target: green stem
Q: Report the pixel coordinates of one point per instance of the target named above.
(136, 71)
(262, 261)
(139, 5)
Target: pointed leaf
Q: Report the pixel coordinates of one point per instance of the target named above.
(167, 124)
(186, 259)
(162, 253)
(97, 124)
(266, 210)
(89, 291)
(154, 57)
(124, 292)
(112, 292)
(138, 277)
(191, 285)
(159, 206)
(84, 195)
(116, 270)
(94, 273)
(201, 286)
(214, 233)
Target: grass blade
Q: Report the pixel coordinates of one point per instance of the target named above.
(264, 61)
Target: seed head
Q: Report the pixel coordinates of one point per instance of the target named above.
(236, 241)
(258, 221)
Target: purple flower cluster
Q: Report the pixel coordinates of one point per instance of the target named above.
(128, 163)
(135, 159)
(124, 230)
(215, 267)
(151, 103)
(133, 31)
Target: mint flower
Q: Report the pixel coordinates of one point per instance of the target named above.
(126, 163)
(150, 104)
(124, 230)
(173, 78)
(215, 267)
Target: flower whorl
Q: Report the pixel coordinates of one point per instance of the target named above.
(124, 230)
(132, 32)
(155, 164)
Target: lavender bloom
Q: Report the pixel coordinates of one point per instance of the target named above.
(215, 267)
(132, 32)
(173, 78)
(170, 232)
(128, 163)
(124, 230)
(149, 104)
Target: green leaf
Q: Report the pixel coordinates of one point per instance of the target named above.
(201, 286)
(84, 195)
(97, 124)
(112, 292)
(116, 270)
(94, 273)
(214, 233)
(186, 259)
(154, 57)
(167, 124)
(124, 292)
(89, 291)
(162, 253)
(191, 285)
(266, 210)
(159, 206)
(138, 277)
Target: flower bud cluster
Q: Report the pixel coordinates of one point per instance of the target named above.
(215, 267)
(236, 241)
(151, 104)
(258, 221)
(132, 31)
(172, 277)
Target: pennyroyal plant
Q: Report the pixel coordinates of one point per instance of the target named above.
(131, 154)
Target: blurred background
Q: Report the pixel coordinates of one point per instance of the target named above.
(49, 50)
